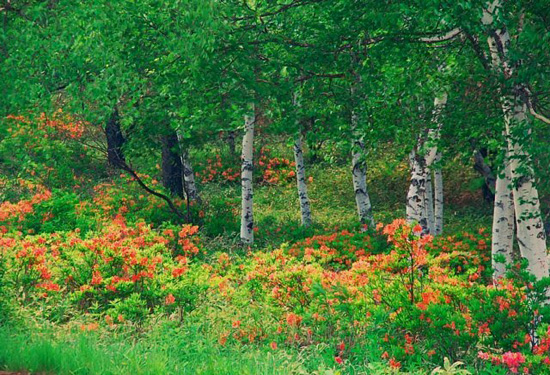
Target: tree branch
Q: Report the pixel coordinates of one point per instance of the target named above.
(125, 167)
(451, 34)
(531, 107)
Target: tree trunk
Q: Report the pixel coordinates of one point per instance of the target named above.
(416, 196)
(171, 165)
(115, 140)
(359, 176)
(530, 229)
(429, 203)
(487, 173)
(438, 197)
(434, 156)
(190, 187)
(503, 223)
(301, 181)
(247, 217)
(231, 135)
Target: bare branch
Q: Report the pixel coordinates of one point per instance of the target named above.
(451, 34)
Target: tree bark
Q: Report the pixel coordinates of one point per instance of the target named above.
(303, 197)
(429, 203)
(424, 201)
(530, 230)
(416, 196)
(247, 216)
(115, 140)
(487, 173)
(359, 176)
(171, 165)
(438, 197)
(503, 223)
(231, 135)
(190, 187)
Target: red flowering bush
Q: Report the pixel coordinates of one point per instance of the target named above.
(269, 169)
(336, 290)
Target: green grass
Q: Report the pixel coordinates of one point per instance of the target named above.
(165, 350)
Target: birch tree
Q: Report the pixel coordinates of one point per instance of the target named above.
(303, 198)
(247, 195)
(530, 229)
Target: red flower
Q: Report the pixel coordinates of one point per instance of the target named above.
(170, 299)
(339, 360)
(395, 364)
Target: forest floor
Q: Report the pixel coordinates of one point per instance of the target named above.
(297, 303)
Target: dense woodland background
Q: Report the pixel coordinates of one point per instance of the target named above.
(297, 186)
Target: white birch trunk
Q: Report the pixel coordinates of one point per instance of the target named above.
(190, 188)
(503, 223)
(530, 230)
(429, 203)
(416, 196)
(247, 217)
(305, 209)
(359, 176)
(438, 197)
(421, 203)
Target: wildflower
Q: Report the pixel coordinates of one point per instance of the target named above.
(273, 345)
(513, 361)
(170, 299)
(395, 364)
(293, 320)
(339, 360)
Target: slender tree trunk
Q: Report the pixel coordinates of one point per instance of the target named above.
(231, 135)
(429, 203)
(190, 187)
(416, 196)
(115, 140)
(438, 197)
(488, 176)
(247, 217)
(424, 201)
(301, 181)
(530, 230)
(171, 165)
(359, 176)
(434, 156)
(503, 223)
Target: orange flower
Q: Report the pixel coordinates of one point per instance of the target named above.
(170, 299)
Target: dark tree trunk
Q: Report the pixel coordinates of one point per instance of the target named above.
(171, 165)
(115, 141)
(231, 135)
(485, 170)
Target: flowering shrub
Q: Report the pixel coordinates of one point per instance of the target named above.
(269, 170)
(335, 289)
(11, 213)
(51, 148)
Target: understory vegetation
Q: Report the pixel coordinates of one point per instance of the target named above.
(321, 187)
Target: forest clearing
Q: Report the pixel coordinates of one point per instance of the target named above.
(275, 187)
